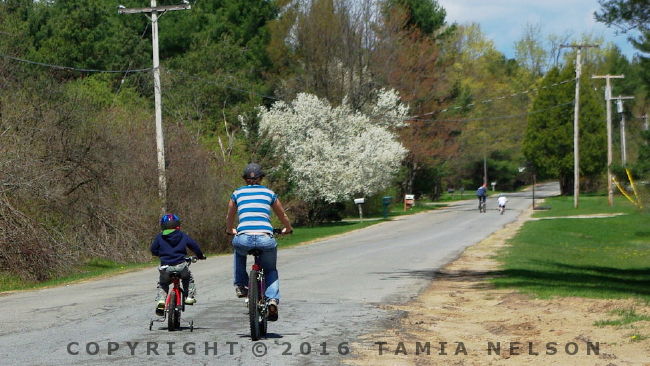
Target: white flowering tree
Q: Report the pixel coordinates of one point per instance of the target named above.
(335, 152)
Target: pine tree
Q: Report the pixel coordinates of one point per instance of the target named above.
(548, 143)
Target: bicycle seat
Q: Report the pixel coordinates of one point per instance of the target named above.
(175, 274)
(255, 252)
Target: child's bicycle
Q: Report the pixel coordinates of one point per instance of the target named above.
(175, 302)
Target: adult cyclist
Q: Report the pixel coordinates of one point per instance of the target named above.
(253, 203)
(481, 193)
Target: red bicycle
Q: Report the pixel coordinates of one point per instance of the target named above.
(175, 302)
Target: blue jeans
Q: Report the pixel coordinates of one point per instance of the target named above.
(242, 243)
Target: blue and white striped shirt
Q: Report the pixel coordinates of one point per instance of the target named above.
(254, 208)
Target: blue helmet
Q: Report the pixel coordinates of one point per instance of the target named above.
(170, 221)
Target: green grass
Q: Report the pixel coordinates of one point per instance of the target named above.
(93, 268)
(597, 258)
(626, 316)
(588, 204)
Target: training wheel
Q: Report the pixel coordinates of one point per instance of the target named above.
(191, 325)
(150, 324)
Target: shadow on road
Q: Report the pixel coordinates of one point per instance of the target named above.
(554, 279)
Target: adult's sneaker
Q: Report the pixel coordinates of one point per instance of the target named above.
(241, 291)
(273, 310)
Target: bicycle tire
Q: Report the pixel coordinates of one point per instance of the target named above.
(253, 308)
(171, 312)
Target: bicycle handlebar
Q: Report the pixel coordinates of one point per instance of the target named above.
(276, 231)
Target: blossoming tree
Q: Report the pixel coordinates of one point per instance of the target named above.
(335, 153)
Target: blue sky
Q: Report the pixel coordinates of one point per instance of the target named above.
(503, 21)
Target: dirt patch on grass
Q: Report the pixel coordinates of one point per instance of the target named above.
(466, 321)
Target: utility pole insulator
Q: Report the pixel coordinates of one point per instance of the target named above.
(619, 109)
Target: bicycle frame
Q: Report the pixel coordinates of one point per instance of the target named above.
(177, 297)
(175, 291)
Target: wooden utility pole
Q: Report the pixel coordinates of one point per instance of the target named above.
(608, 97)
(619, 109)
(160, 141)
(576, 122)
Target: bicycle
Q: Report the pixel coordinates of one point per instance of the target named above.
(482, 206)
(502, 209)
(175, 302)
(258, 308)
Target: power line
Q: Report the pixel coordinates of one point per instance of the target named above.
(495, 117)
(494, 99)
(214, 82)
(70, 68)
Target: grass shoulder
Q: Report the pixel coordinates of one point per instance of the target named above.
(92, 269)
(603, 257)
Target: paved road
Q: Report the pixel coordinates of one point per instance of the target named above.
(331, 294)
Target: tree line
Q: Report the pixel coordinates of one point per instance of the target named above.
(335, 98)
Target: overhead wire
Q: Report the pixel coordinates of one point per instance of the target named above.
(70, 68)
(411, 118)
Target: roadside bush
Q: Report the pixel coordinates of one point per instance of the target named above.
(78, 178)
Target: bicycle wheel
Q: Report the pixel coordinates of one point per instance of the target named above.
(171, 312)
(253, 306)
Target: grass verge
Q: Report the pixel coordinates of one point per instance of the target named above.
(92, 269)
(596, 257)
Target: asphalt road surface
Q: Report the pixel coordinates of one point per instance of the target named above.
(332, 293)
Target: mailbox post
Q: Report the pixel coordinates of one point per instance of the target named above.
(359, 202)
(409, 201)
(385, 202)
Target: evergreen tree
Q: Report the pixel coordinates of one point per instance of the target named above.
(548, 143)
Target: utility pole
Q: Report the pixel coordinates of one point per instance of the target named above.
(154, 10)
(619, 109)
(484, 169)
(608, 97)
(576, 122)
(645, 123)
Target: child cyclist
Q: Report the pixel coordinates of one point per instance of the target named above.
(171, 246)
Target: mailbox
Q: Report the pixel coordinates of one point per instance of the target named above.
(409, 201)
(385, 202)
(359, 202)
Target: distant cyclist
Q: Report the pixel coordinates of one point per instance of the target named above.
(502, 200)
(253, 203)
(481, 194)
